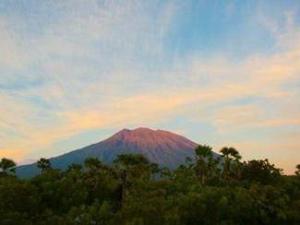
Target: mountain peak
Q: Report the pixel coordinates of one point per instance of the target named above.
(139, 129)
(136, 132)
(146, 138)
(159, 146)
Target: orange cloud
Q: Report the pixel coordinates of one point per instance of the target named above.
(15, 154)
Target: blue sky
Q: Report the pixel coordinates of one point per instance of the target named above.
(218, 72)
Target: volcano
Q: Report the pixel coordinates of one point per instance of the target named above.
(162, 147)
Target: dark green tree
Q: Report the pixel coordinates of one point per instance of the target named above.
(101, 180)
(205, 165)
(7, 166)
(231, 158)
(297, 172)
(132, 169)
(44, 164)
(93, 164)
(260, 171)
(203, 153)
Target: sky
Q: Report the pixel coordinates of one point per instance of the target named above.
(222, 73)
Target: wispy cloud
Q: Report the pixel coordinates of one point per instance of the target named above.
(108, 65)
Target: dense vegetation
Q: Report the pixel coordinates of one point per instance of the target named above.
(134, 191)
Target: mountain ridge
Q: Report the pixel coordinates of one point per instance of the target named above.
(160, 146)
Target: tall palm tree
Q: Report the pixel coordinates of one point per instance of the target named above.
(230, 155)
(204, 156)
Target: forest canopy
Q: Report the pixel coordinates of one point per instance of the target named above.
(134, 191)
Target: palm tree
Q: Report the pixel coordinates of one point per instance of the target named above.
(7, 166)
(203, 162)
(230, 154)
(203, 151)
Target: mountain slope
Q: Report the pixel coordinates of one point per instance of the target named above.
(161, 147)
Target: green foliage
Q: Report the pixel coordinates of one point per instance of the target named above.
(298, 170)
(231, 163)
(208, 190)
(261, 171)
(205, 166)
(7, 167)
(44, 164)
(203, 151)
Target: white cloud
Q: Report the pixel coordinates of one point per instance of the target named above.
(12, 55)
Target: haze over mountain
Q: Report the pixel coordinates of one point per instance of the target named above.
(162, 147)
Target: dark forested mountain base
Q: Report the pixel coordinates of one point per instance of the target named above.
(134, 191)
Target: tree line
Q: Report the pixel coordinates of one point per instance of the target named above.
(206, 190)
